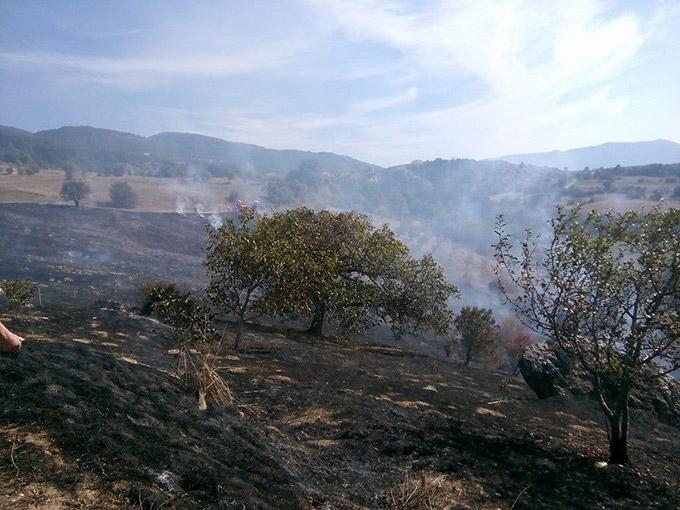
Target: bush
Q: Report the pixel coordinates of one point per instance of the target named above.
(154, 293)
(122, 195)
(19, 293)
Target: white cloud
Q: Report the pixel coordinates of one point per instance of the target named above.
(541, 65)
(382, 103)
(214, 63)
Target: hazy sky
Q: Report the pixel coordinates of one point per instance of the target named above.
(383, 81)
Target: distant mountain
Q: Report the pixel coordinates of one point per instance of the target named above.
(605, 155)
(103, 149)
(19, 145)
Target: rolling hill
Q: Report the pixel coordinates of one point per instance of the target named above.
(605, 155)
(97, 149)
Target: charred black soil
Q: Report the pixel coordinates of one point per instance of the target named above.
(92, 416)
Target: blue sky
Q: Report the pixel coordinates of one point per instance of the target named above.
(383, 81)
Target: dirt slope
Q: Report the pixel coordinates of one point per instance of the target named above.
(91, 416)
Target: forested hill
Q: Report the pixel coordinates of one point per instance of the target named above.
(107, 150)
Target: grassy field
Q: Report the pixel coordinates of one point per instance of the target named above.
(155, 194)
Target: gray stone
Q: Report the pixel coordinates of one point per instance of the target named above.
(545, 369)
(550, 372)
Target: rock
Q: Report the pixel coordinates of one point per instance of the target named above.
(550, 371)
(545, 369)
(664, 398)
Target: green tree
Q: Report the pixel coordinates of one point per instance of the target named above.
(122, 195)
(75, 191)
(478, 334)
(322, 266)
(606, 289)
(244, 260)
(356, 275)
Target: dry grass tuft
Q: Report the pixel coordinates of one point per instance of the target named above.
(426, 491)
(198, 369)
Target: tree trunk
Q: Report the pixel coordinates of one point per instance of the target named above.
(316, 327)
(239, 331)
(618, 435)
(468, 356)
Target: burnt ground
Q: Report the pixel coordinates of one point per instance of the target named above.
(91, 416)
(82, 255)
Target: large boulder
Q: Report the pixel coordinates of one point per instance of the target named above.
(662, 397)
(545, 369)
(550, 372)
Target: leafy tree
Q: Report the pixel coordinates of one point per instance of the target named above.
(478, 334)
(244, 260)
(75, 191)
(122, 195)
(155, 292)
(281, 192)
(606, 289)
(323, 265)
(358, 275)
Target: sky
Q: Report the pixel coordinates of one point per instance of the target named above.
(383, 81)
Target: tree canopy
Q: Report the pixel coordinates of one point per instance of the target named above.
(122, 195)
(606, 289)
(325, 266)
(478, 334)
(74, 191)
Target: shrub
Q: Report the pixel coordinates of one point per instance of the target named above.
(199, 345)
(154, 293)
(122, 195)
(19, 293)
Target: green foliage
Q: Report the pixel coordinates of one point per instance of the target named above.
(75, 191)
(246, 261)
(607, 290)
(152, 293)
(282, 192)
(191, 320)
(19, 293)
(324, 265)
(356, 275)
(122, 195)
(478, 334)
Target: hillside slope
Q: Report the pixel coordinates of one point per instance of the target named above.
(92, 415)
(101, 149)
